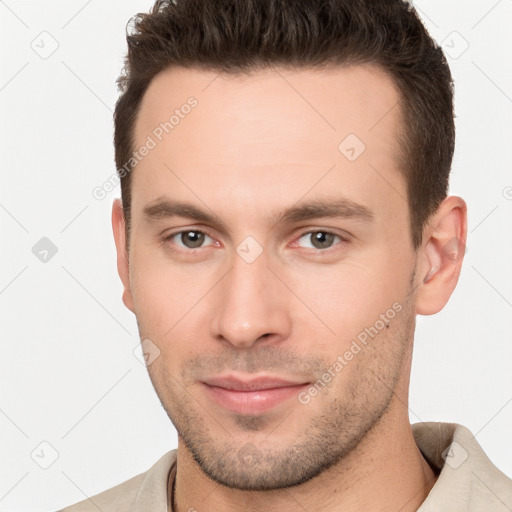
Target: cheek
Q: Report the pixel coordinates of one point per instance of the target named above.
(172, 309)
(347, 298)
(162, 293)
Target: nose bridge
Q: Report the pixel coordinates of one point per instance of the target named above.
(250, 303)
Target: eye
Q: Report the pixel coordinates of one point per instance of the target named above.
(189, 239)
(321, 240)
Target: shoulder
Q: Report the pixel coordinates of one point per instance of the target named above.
(145, 491)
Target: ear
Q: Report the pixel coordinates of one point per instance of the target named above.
(123, 267)
(440, 255)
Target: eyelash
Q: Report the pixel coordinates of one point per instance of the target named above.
(343, 240)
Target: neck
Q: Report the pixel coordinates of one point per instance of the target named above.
(385, 471)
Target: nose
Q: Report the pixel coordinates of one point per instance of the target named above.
(251, 305)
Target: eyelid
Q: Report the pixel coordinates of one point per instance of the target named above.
(343, 235)
(345, 238)
(168, 236)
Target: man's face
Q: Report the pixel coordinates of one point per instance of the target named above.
(321, 302)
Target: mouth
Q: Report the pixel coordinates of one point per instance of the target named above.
(251, 396)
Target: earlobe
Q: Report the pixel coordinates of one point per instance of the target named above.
(123, 266)
(441, 255)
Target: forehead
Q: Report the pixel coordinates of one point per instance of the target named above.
(332, 101)
(281, 127)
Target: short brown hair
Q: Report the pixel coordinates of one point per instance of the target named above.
(236, 36)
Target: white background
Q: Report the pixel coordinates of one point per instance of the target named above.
(69, 376)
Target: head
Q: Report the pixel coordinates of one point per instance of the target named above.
(288, 217)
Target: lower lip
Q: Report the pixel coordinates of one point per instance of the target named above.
(252, 402)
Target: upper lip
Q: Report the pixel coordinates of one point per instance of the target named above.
(252, 384)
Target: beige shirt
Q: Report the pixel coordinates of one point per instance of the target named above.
(468, 480)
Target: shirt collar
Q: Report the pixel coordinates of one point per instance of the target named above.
(465, 473)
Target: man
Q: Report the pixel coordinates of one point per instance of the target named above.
(284, 170)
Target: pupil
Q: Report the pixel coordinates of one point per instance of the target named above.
(192, 239)
(321, 239)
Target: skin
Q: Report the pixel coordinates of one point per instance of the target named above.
(252, 148)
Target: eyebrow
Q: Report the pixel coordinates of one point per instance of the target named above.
(164, 208)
